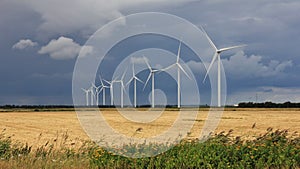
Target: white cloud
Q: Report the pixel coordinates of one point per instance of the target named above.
(241, 65)
(196, 67)
(24, 43)
(64, 48)
(266, 93)
(86, 50)
(138, 60)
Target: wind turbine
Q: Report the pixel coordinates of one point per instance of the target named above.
(121, 81)
(134, 79)
(97, 92)
(103, 90)
(92, 95)
(217, 56)
(111, 83)
(86, 95)
(179, 68)
(151, 74)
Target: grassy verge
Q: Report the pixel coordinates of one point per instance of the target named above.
(274, 149)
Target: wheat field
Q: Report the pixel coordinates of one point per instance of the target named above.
(35, 128)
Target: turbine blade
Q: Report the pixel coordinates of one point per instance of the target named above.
(148, 65)
(232, 47)
(129, 81)
(181, 68)
(124, 74)
(208, 38)
(133, 72)
(101, 80)
(211, 63)
(107, 81)
(115, 79)
(178, 54)
(156, 71)
(123, 88)
(150, 74)
(139, 79)
(164, 69)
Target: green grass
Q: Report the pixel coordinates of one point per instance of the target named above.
(274, 149)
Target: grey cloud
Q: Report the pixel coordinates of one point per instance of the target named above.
(270, 28)
(75, 15)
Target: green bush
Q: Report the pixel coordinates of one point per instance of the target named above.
(271, 150)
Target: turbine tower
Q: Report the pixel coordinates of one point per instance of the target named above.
(179, 68)
(151, 74)
(103, 90)
(86, 95)
(92, 95)
(134, 79)
(217, 56)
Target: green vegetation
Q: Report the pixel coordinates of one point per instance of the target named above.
(274, 149)
(269, 105)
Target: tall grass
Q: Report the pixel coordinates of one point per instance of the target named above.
(274, 149)
(55, 153)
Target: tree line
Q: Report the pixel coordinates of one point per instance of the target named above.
(269, 105)
(240, 105)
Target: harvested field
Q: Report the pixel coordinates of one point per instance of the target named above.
(37, 127)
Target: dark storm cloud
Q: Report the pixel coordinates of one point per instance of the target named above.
(270, 62)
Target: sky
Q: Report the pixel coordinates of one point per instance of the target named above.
(40, 42)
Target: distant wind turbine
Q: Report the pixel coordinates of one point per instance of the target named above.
(134, 79)
(91, 89)
(86, 95)
(97, 92)
(217, 56)
(111, 83)
(103, 87)
(151, 74)
(179, 67)
(121, 81)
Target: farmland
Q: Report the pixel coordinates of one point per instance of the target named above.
(62, 129)
(31, 126)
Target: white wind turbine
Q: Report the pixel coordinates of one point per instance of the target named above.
(217, 56)
(121, 81)
(86, 95)
(103, 87)
(111, 83)
(151, 74)
(97, 92)
(134, 79)
(91, 89)
(179, 68)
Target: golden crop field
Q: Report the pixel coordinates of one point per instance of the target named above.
(37, 127)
